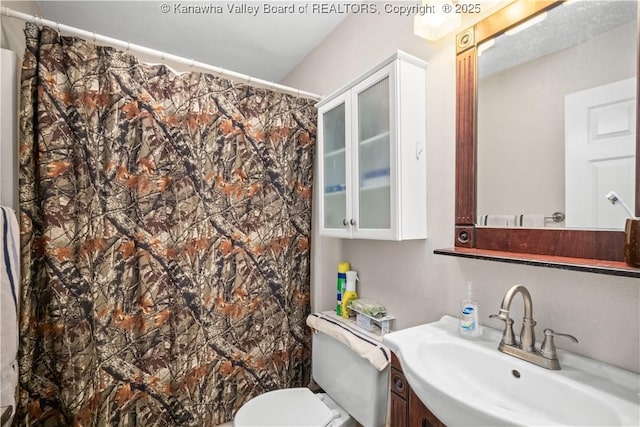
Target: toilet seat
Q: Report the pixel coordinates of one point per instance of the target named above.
(292, 407)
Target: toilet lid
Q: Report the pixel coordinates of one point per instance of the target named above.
(294, 407)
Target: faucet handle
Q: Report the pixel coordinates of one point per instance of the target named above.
(548, 347)
(508, 337)
(500, 316)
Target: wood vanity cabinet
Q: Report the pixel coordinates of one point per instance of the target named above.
(406, 408)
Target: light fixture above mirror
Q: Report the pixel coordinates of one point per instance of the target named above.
(434, 19)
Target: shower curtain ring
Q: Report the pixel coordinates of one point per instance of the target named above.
(162, 57)
(192, 63)
(58, 29)
(94, 39)
(128, 48)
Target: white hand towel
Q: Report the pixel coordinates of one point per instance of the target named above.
(9, 286)
(367, 345)
(530, 220)
(495, 220)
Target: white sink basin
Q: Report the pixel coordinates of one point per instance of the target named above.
(469, 382)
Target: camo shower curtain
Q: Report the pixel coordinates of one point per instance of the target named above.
(165, 240)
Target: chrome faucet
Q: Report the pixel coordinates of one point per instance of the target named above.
(526, 349)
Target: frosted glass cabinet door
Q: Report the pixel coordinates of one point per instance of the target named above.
(334, 158)
(374, 156)
(371, 170)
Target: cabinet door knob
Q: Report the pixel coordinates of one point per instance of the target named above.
(352, 221)
(344, 222)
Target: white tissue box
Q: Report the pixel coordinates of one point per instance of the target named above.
(368, 323)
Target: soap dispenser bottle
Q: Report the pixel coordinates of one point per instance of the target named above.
(469, 326)
(350, 294)
(343, 267)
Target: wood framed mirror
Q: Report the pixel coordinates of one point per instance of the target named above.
(591, 245)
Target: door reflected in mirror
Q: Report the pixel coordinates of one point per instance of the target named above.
(556, 118)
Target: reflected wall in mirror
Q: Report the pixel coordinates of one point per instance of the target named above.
(556, 118)
(517, 97)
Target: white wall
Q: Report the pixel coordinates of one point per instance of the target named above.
(418, 286)
(12, 35)
(8, 130)
(13, 45)
(12, 42)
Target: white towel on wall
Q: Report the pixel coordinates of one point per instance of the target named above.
(9, 289)
(363, 343)
(496, 220)
(530, 220)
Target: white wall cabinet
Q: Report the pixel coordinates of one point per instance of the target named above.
(371, 154)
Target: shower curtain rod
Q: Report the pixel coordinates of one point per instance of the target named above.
(130, 47)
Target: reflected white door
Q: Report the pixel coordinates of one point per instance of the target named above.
(600, 130)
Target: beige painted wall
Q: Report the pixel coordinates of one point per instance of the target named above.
(12, 42)
(12, 34)
(418, 286)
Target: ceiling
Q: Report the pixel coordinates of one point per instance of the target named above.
(563, 27)
(267, 44)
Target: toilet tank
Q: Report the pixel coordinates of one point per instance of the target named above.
(350, 380)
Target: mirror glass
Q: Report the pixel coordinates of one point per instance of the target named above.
(556, 118)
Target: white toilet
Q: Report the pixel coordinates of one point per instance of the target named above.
(355, 391)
